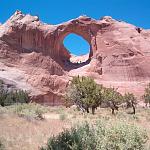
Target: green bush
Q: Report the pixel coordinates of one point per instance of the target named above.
(130, 101)
(1, 82)
(62, 116)
(101, 136)
(9, 97)
(1, 145)
(31, 110)
(146, 95)
(112, 98)
(27, 110)
(84, 93)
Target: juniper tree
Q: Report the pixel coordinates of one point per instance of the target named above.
(85, 93)
(146, 95)
(10, 96)
(130, 100)
(112, 98)
(3, 93)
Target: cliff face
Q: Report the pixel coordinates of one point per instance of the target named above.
(119, 53)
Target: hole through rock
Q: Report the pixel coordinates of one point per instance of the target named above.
(78, 47)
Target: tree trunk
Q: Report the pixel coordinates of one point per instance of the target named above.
(87, 110)
(113, 111)
(128, 105)
(114, 107)
(93, 110)
(146, 105)
(133, 108)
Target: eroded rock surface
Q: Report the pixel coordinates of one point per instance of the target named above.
(34, 51)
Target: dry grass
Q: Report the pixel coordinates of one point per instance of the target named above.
(29, 134)
(20, 133)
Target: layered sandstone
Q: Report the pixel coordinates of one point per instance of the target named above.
(119, 55)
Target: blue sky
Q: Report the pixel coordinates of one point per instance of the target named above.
(136, 12)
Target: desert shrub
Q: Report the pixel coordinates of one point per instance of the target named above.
(85, 93)
(9, 97)
(146, 95)
(101, 136)
(62, 116)
(21, 96)
(3, 94)
(17, 96)
(1, 82)
(30, 110)
(3, 110)
(130, 101)
(111, 98)
(1, 145)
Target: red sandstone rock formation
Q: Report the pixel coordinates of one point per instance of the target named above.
(119, 54)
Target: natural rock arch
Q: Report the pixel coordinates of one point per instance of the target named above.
(117, 51)
(76, 45)
(76, 27)
(48, 39)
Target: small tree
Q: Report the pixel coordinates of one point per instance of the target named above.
(146, 95)
(85, 93)
(9, 97)
(3, 94)
(21, 96)
(130, 100)
(112, 98)
(2, 147)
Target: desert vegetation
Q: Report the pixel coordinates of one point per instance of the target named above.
(1, 145)
(29, 111)
(87, 122)
(126, 129)
(107, 133)
(100, 136)
(146, 95)
(9, 96)
(86, 94)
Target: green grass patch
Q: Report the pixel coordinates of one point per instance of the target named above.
(30, 110)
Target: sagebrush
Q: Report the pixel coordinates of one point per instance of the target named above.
(101, 136)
